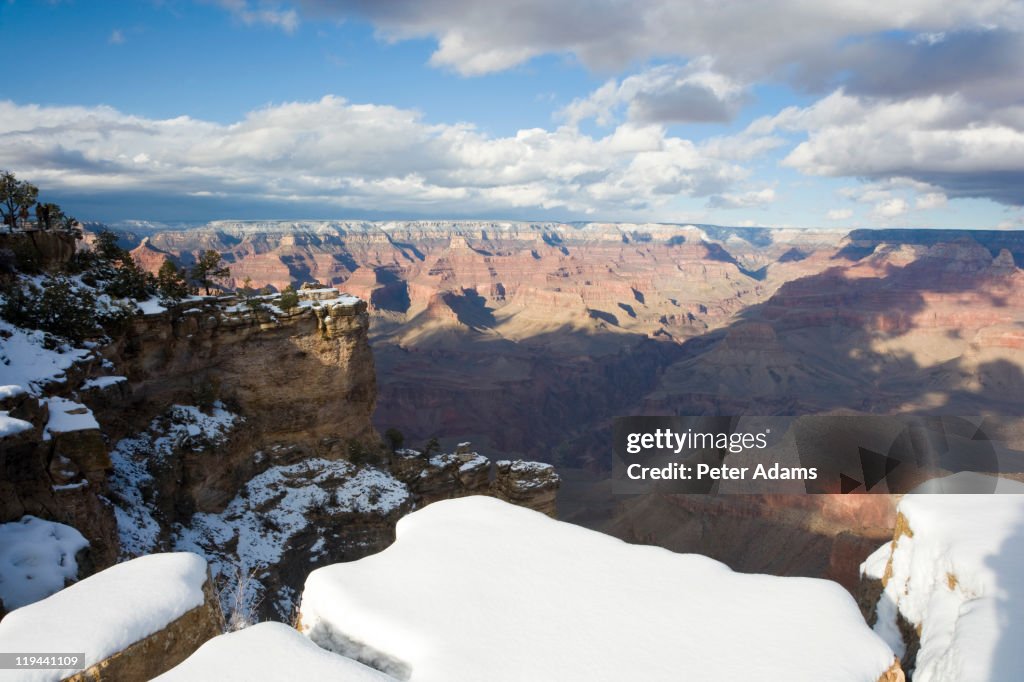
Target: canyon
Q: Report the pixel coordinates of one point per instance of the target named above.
(247, 431)
(225, 426)
(528, 338)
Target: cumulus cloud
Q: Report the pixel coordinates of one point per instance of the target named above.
(751, 39)
(927, 90)
(945, 141)
(751, 199)
(339, 154)
(839, 214)
(667, 93)
(891, 208)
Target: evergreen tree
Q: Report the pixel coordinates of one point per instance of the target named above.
(106, 247)
(395, 438)
(51, 217)
(208, 269)
(289, 299)
(16, 196)
(171, 282)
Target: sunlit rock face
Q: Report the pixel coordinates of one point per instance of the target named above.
(528, 338)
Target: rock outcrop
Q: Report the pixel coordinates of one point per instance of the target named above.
(444, 476)
(161, 650)
(48, 250)
(132, 621)
(527, 484)
(303, 376)
(946, 590)
(57, 475)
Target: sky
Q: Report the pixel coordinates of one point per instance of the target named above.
(833, 113)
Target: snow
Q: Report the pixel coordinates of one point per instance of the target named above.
(106, 612)
(10, 426)
(313, 292)
(103, 382)
(478, 589)
(477, 461)
(271, 652)
(960, 577)
(12, 391)
(26, 364)
(72, 486)
(182, 426)
(523, 467)
(874, 565)
(151, 306)
(67, 416)
(273, 507)
(37, 558)
(343, 300)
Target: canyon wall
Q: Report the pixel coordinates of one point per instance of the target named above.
(528, 338)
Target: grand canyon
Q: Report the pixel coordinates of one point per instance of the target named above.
(285, 445)
(528, 338)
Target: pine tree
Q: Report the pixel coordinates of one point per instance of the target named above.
(106, 247)
(171, 282)
(289, 299)
(16, 196)
(208, 269)
(395, 438)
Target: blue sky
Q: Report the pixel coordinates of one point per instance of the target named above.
(838, 115)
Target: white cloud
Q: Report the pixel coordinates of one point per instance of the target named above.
(930, 201)
(839, 214)
(923, 89)
(891, 208)
(751, 199)
(263, 13)
(116, 37)
(662, 94)
(364, 156)
(940, 141)
(755, 39)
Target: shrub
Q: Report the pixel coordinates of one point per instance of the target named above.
(289, 299)
(394, 438)
(59, 308)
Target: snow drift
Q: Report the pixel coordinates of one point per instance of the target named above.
(477, 589)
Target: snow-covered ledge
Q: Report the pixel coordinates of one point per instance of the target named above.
(949, 588)
(132, 621)
(268, 651)
(478, 589)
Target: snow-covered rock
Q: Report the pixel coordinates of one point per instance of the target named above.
(102, 382)
(10, 426)
(270, 652)
(258, 527)
(118, 612)
(951, 597)
(27, 364)
(67, 416)
(182, 427)
(37, 558)
(478, 589)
